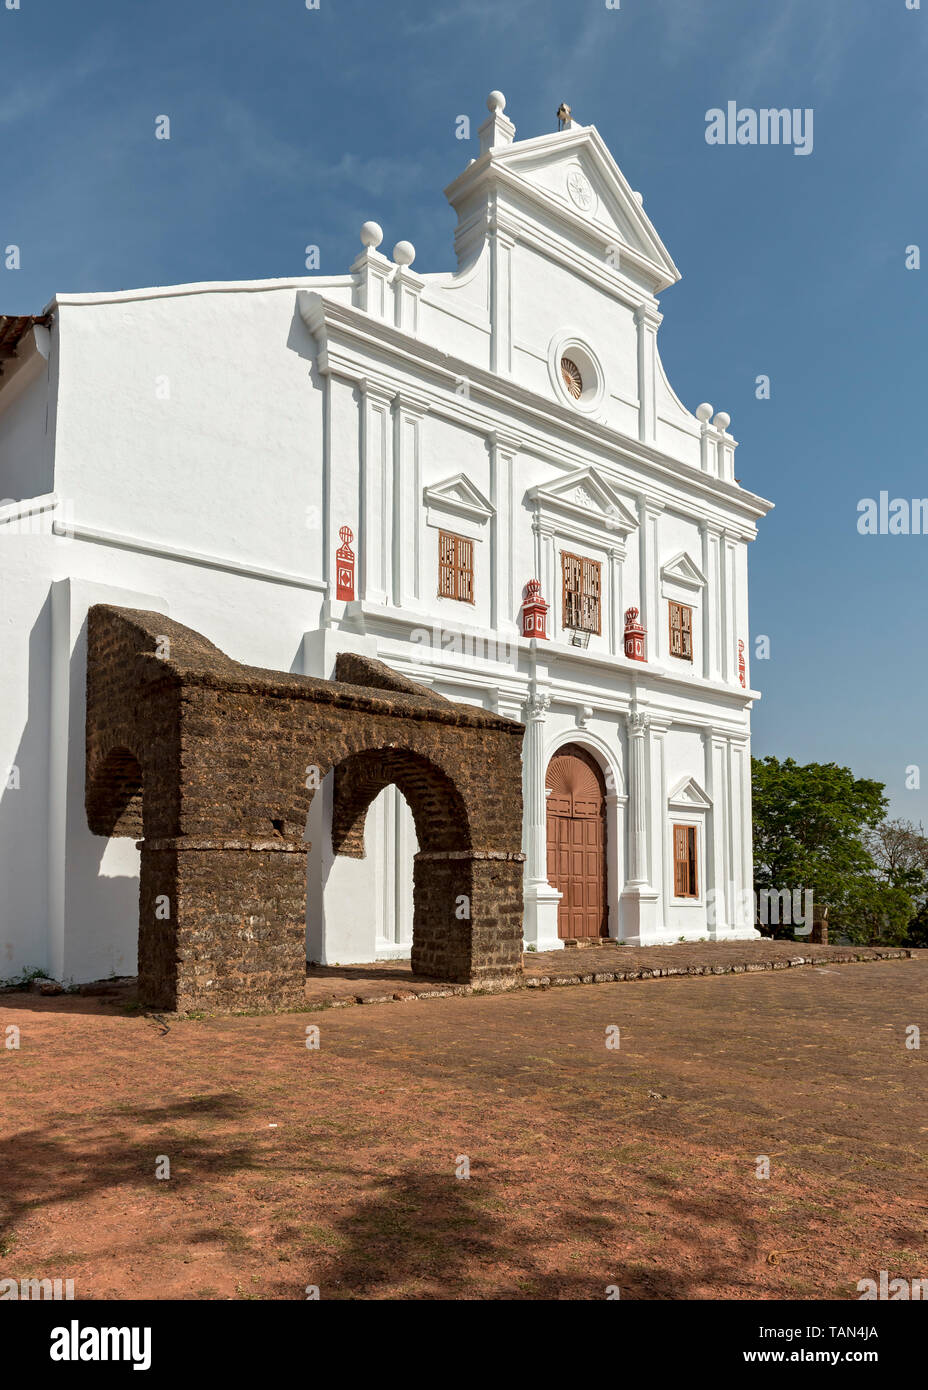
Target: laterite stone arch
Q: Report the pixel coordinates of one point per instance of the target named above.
(212, 765)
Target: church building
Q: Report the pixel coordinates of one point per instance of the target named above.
(481, 477)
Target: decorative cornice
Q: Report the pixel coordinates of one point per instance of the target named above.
(367, 333)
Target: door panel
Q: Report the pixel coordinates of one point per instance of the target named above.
(576, 857)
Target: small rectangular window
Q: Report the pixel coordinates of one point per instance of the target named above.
(684, 862)
(582, 593)
(681, 631)
(455, 567)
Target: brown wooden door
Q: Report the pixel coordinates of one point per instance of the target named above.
(577, 842)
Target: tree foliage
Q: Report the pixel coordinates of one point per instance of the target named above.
(819, 827)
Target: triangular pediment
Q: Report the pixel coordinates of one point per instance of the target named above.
(459, 496)
(682, 570)
(689, 795)
(586, 497)
(571, 175)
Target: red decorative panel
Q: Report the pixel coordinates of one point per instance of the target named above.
(344, 566)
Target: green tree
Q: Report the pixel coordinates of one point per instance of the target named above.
(808, 825)
(818, 827)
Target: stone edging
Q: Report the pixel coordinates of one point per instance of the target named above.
(599, 977)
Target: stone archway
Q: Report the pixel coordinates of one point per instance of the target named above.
(576, 842)
(231, 757)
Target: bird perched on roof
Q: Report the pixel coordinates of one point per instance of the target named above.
(563, 115)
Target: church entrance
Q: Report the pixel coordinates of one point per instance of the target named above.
(576, 816)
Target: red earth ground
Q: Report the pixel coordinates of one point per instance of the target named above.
(589, 1166)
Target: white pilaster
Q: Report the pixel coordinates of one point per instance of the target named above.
(504, 606)
(649, 601)
(375, 539)
(716, 836)
(639, 902)
(501, 244)
(541, 899)
(407, 489)
(647, 321)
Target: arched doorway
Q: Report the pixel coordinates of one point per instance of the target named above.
(576, 817)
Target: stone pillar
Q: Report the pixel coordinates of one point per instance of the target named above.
(467, 916)
(222, 924)
(541, 899)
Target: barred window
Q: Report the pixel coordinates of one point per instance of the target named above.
(455, 567)
(681, 631)
(684, 861)
(582, 591)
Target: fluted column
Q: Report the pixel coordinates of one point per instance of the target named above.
(638, 723)
(541, 900)
(640, 902)
(533, 748)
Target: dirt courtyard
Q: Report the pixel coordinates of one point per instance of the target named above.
(590, 1165)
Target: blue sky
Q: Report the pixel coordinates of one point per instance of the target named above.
(292, 126)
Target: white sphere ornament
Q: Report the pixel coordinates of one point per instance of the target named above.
(722, 420)
(704, 412)
(496, 102)
(404, 253)
(371, 234)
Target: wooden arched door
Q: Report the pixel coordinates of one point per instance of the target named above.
(577, 842)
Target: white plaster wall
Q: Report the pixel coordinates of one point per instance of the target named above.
(228, 464)
(25, 457)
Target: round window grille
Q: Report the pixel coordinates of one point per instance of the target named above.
(572, 378)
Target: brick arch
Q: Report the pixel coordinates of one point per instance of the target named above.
(226, 797)
(438, 807)
(114, 794)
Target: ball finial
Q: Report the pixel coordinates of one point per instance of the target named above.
(722, 420)
(371, 234)
(704, 412)
(404, 253)
(496, 102)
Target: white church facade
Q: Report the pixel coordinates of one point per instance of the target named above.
(482, 478)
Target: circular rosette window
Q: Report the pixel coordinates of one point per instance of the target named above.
(576, 372)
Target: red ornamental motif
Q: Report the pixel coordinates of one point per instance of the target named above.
(344, 566)
(741, 666)
(534, 611)
(635, 636)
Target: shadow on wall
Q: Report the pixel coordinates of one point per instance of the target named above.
(357, 907)
(69, 900)
(24, 777)
(101, 876)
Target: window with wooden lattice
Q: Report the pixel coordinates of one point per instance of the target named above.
(681, 631)
(455, 567)
(684, 862)
(582, 593)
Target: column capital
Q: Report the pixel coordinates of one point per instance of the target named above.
(638, 722)
(648, 314)
(377, 392)
(538, 702)
(504, 441)
(413, 407)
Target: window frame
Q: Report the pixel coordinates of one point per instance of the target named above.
(673, 603)
(461, 546)
(595, 565)
(686, 886)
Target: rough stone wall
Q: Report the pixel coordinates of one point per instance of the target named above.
(215, 764)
